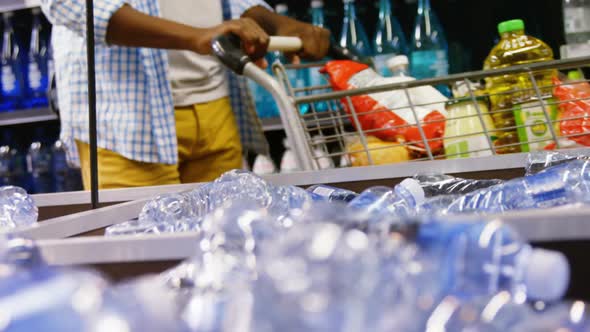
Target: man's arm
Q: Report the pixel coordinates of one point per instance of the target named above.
(316, 40)
(117, 23)
(129, 27)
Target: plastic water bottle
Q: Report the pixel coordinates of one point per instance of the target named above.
(479, 259)
(289, 160)
(353, 36)
(384, 203)
(559, 185)
(576, 19)
(297, 78)
(322, 192)
(65, 178)
(17, 208)
(429, 50)
(263, 165)
(12, 81)
(265, 105)
(314, 77)
(37, 74)
(5, 166)
(39, 166)
(304, 280)
(389, 38)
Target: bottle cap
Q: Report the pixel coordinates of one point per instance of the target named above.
(415, 189)
(317, 4)
(509, 26)
(547, 275)
(282, 9)
(398, 61)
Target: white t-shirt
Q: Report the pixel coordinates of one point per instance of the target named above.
(195, 78)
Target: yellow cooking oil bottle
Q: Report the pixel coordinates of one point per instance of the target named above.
(519, 115)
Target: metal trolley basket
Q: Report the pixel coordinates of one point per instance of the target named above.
(337, 124)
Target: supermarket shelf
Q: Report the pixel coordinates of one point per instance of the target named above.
(120, 249)
(27, 116)
(10, 5)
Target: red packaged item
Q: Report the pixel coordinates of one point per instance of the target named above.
(390, 111)
(574, 113)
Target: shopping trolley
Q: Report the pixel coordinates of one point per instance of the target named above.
(339, 123)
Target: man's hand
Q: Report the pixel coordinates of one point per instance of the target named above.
(316, 41)
(254, 38)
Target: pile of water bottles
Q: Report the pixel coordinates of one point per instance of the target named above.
(280, 258)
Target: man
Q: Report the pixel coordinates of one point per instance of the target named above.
(163, 117)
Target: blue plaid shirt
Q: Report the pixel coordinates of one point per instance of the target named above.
(135, 112)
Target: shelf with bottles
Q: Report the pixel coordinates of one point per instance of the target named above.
(32, 157)
(10, 5)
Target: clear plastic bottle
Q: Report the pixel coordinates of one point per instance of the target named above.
(37, 73)
(477, 258)
(353, 36)
(515, 48)
(39, 165)
(389, 38)
(384, 203)
(314, 77)
(429, 48)
(12, 81)
(576, 19)
(65, 177)
(559, 185)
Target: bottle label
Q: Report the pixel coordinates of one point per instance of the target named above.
(8, 80)
(577, 20)
(547, 189)
(428, 64)
(533, 130)
(381, 64)
(34, 75)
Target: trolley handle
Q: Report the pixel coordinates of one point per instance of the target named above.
(228, 49)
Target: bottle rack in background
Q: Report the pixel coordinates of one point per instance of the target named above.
(25, 60)
(35, 159)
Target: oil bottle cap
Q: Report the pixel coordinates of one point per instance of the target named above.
(509, 26)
